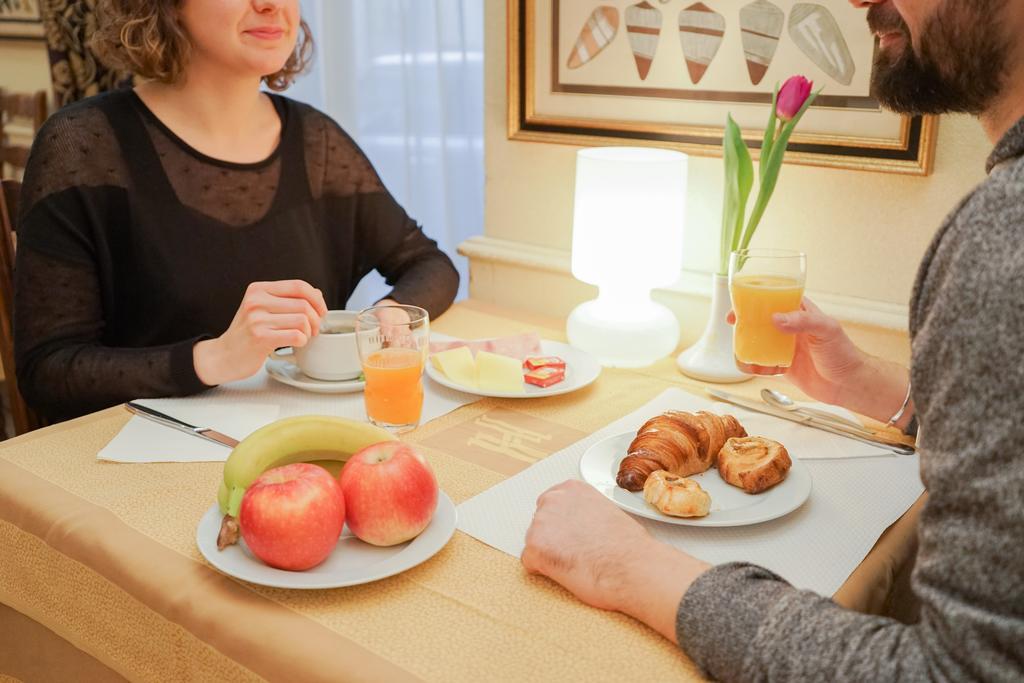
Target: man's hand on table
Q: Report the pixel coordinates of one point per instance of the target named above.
(605, 558)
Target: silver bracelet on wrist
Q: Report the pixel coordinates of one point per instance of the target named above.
(903, 408)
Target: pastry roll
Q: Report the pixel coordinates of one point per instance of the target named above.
(673, 495)
(753, 463)
(681, 443)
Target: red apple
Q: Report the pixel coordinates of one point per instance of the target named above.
(291, 516)
(390, 493)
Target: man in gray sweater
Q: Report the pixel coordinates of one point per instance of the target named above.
(743, 623)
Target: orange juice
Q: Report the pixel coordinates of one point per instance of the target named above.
(394, 393)
(759, 347)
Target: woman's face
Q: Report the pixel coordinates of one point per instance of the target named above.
(251, 37)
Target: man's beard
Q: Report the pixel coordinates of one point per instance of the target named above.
(961, 65)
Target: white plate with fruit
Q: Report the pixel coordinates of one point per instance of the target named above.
(495, 376)
(283, 522)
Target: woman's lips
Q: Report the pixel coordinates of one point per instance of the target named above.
(266, 33)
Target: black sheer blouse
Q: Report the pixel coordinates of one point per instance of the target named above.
(133, 246)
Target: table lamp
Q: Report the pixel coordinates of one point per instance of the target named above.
(627, 238)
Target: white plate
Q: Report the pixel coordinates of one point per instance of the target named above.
(288, 373)
(730, 506)
(352, 562)
(581, 369)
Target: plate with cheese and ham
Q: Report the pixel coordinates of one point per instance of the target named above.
(518, 366)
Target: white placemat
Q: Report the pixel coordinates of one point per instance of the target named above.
(852, 501)
(240, 408)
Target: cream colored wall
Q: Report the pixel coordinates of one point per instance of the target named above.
(864, 233)
(25, 68)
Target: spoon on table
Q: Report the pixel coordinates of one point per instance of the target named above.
(777, 399)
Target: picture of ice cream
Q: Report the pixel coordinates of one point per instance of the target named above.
(597, 33)
(761, 25)
(643, 26)
(700, 31)
(816, 32)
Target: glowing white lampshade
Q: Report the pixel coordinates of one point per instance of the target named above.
(627, 238)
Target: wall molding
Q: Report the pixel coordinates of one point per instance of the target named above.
(690, 282)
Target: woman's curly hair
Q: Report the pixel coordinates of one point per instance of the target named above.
(146, 38)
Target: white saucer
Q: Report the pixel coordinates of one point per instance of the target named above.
(353, 562)
(288, 373)
(581, 369)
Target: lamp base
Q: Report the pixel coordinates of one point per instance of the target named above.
(630, 336)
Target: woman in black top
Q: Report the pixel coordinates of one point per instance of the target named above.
(172, 235)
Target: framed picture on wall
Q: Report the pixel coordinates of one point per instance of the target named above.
(666, 73)
(20, 19)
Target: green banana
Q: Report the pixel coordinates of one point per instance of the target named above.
(293, 439)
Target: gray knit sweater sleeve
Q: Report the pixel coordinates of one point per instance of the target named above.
(743, 623)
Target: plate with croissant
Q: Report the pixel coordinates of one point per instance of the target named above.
(697, 469)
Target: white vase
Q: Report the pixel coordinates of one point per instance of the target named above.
(711, 358)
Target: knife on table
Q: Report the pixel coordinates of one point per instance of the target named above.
(834, 428)
(174, 423)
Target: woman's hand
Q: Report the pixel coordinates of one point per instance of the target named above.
(394, 325)
(271, 315)
(605, 558)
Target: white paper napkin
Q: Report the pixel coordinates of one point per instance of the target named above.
(142, 440)
(815, 547)
(238, 409)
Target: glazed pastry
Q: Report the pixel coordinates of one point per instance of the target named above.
(678, 442)
(754, 463)
(676, 496)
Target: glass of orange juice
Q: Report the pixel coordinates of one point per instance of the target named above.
(393, 342)
(763, 282)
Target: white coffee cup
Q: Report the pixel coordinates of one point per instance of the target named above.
(331, 355)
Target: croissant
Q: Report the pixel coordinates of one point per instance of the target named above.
(753, 464)
(678, 442)
(676, 496)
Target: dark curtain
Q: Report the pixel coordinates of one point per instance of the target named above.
(74, 69)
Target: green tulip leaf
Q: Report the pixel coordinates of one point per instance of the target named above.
(769, 132)
(739, 180)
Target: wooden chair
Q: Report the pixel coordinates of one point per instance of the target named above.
(25, 419)
(31, 108)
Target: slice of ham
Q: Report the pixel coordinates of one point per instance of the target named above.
(520, 346)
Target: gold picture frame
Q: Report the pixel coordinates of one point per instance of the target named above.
(544, 106)
(21, 20)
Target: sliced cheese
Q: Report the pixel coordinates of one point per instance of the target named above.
(499, 374)
(457, 365)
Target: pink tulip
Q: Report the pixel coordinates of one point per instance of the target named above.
(794, 93)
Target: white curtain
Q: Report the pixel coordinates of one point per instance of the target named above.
(405, 79)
